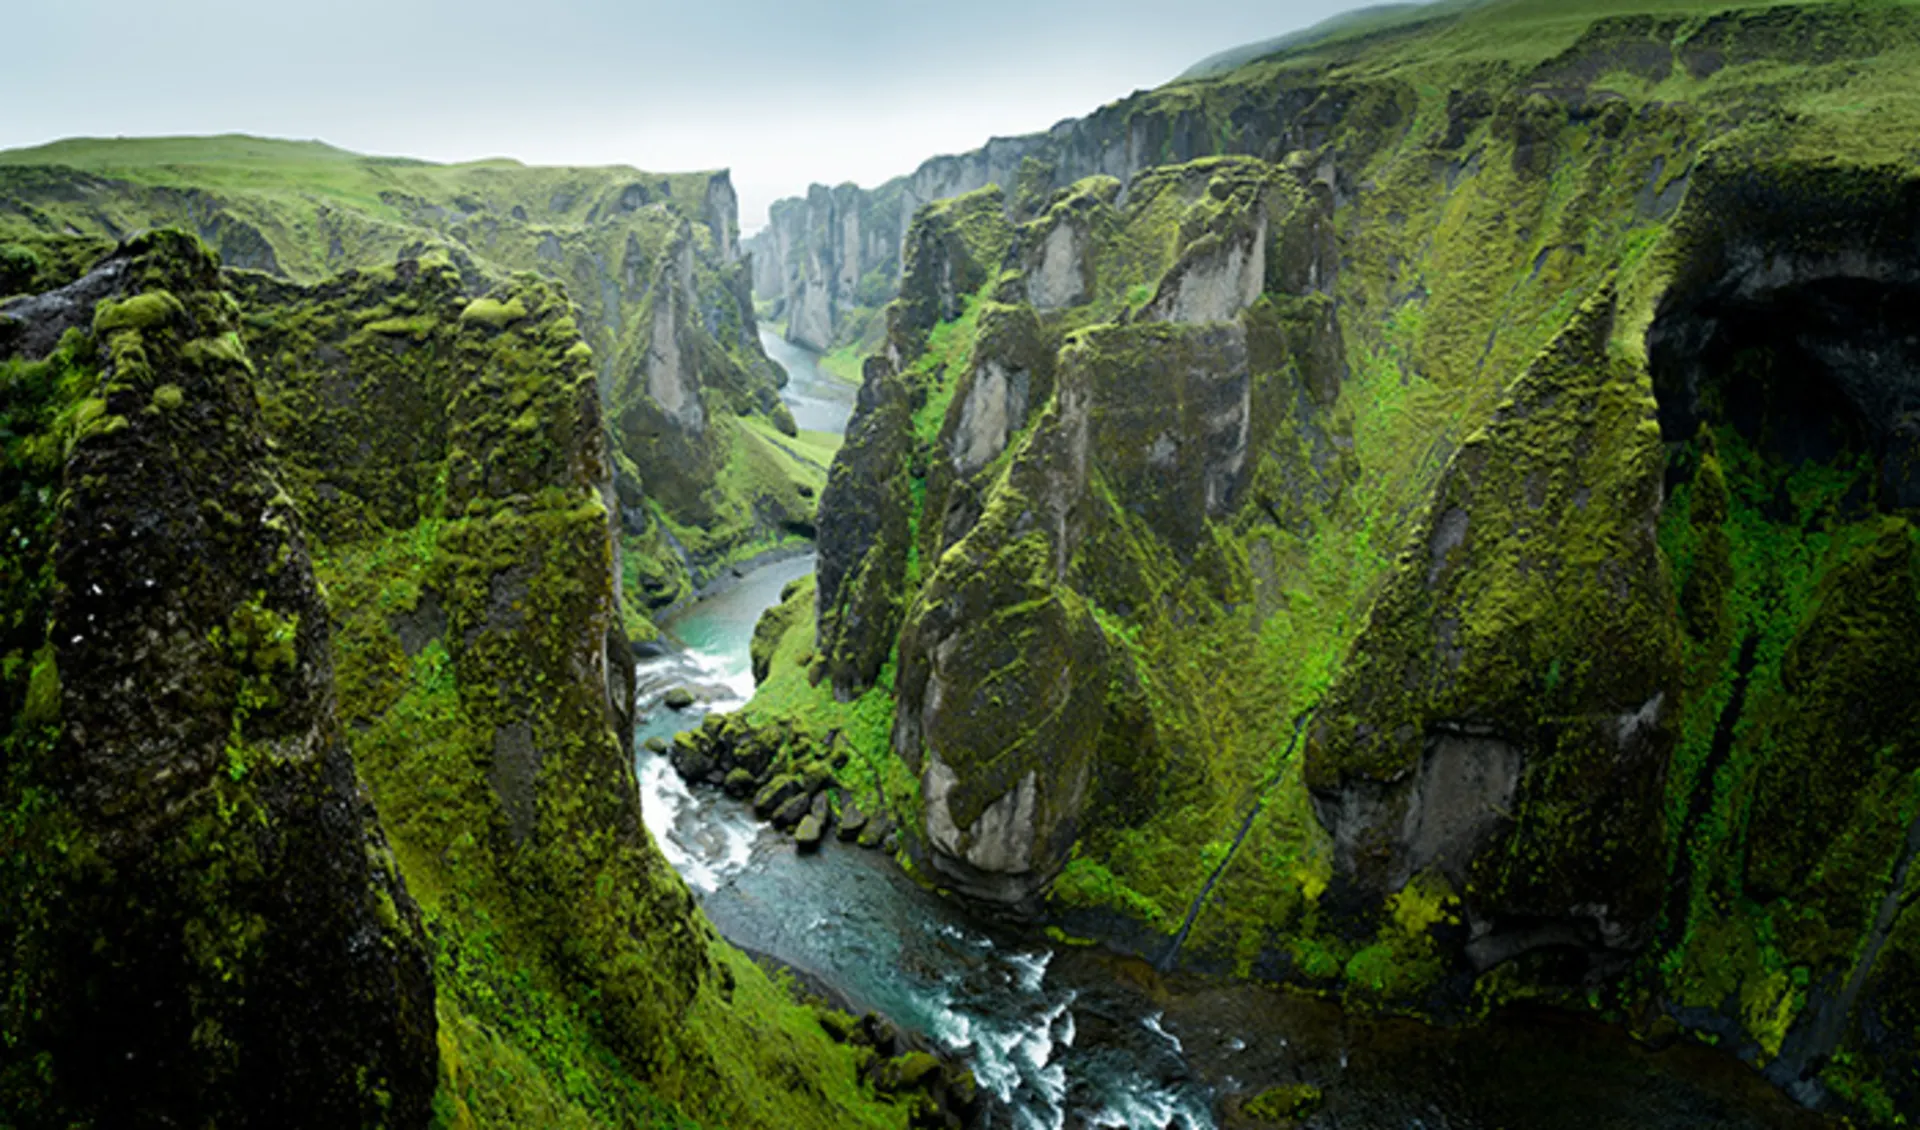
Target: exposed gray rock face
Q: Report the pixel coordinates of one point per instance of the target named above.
(30, 327)
(1003, 799)
(1060, 278)
(816, 252)
(1214, 284)
(994, 407)
(1440, 816)
(721, 211)
(999, 843)
(1012, 376)
(672, 369)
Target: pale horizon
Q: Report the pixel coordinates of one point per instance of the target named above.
(812, 93)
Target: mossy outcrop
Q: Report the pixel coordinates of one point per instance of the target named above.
(1037, 469)
(204, 922)
(1504, 718)
(1461, 553)
(651, 264)
(862, 563)
(210, 923)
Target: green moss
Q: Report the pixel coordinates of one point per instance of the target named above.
(1794, 614)
(792, 695)
(1085, 884)
(18, 267)
(844, 362)
(42, 703)
(1405, 965)
(213, 352)
(417, 326)
(148, 310)
(491, 312)
(1285, 1103)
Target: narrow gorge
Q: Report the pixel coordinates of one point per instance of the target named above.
(1375, 584)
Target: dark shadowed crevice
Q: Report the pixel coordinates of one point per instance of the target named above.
(1680, 891)
(1810, 359)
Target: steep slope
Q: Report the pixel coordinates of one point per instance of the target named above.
(652, 264)
(196, 877)
(204, 924)
(1429, 560)
(450, 446)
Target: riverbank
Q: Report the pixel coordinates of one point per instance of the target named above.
(1067, 1036)
(1076, 1036)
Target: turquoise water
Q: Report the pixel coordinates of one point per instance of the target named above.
(850, 918)
(820, 402)
(1066, 1038)
(710, 641)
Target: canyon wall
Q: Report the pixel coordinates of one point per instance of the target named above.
(1456, 552)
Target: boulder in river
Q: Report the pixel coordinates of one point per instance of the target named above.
(690, 758)
(792, 811)
(878, 1033)
(852, 820)
(963, 1090)
(875, 833)
(738, 783)
(809, 834)
(679, 698)
(774, 794)
(656, 744)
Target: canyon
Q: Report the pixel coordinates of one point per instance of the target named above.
(1408, 530)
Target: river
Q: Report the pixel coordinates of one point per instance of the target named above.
(820, 402)
(1065, 1037)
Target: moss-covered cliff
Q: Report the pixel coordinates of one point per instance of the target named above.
(302, 572)
(1460, 551)
(651, 263)
(204, 923)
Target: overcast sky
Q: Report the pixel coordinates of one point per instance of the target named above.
(783, 92)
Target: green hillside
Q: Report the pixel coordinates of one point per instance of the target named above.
(651, 262)
(1425, 554)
